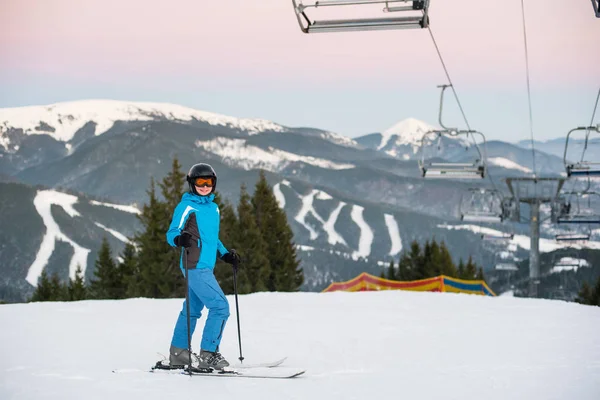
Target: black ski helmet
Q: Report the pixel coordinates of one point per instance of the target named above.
(201, 171)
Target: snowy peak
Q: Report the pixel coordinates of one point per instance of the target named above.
(407, 132)
(63, 120)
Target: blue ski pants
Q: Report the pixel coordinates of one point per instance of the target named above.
(204, 292)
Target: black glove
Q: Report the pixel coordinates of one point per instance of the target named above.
(183, 240)
(232, 258)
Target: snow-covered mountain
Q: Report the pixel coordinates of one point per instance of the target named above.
(351, 204)
(401, 140)
(62, 120)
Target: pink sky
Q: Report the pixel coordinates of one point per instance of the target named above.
(481, 41)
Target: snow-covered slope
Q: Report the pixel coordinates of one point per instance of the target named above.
(237, 153)
(63, 120)
(363, 345)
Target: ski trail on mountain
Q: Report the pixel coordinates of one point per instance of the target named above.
(43, 202)
(366, 234)
(333, 236)
(116, 234)
(307, 207)
(394, 232)
(279, 196)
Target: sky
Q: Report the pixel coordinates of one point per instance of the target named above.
(239, 59)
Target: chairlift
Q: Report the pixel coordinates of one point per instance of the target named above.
(582, 168)
(572, 237)
(452, 170)
(499, 237)
(506, 267)
(511, 209)
(576, 213)
(481, 205)
(415, 16)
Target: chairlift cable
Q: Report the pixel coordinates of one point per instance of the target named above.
(587, 131)
(528, 85)
(439, 53)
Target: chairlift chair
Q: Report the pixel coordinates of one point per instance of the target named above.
(582, 168)
(482, 205)
(501, 237)
(572, 237)
(506, 267)
(576, 214)
(511, 209)
(415, 16)
(453, 170)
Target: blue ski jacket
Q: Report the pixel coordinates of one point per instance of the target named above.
(199, 216)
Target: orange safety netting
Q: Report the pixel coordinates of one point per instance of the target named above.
(368, 282)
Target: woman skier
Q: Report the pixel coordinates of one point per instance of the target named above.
(195, 226)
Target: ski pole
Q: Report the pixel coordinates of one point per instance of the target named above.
(187, 308)
(237, 310)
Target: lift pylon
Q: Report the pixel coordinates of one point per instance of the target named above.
(415, 15)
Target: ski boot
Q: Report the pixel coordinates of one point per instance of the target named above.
(212, 359)
(180, 359)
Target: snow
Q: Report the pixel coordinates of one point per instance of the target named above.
(506, 163)
(279, 196)
(339, 139)
(129, 209)
(333, 237)
(43, 201)
(307, 207)
(546, 245)
(235, 152)
(366, 234)
(394, 232)
(68, 117)
(116, 234)
(408, 132)
(389, 344)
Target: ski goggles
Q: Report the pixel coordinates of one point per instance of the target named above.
(200, 182)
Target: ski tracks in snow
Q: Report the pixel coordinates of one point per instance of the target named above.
(43, 202)
(333, 237)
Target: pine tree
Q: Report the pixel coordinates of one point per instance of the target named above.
(227, 235)
(595, 297)
(447, 266)
(391, 275)
(285, 274)
(252, 247)
(128, 272)
(585, 294)
(106, 275)
(172, 186)
(416, 261)
(43, 291)
(76, 288)
(404, 268)
(470, 269)
(461, 270)
(480, 276)
(159, 276)
(59, 291)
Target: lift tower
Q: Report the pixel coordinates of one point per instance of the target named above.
(533, 191)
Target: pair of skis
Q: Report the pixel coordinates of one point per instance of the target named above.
(261, 370)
